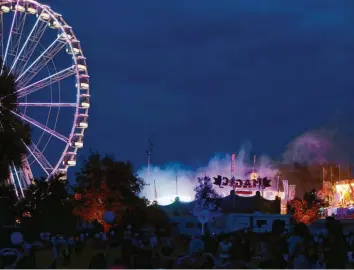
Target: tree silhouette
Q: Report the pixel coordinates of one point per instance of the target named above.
(8, 201)
(14, 134)
(306, 210)
(106, 184)
(157, 218)
(146, 215)
(48, 206)
(205, 189)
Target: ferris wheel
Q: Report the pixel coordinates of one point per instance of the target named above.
(52, 85)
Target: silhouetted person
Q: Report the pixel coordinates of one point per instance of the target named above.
(276, 247)
(297, 247)
(336, 245)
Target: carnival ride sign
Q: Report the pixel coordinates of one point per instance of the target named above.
(259, 183)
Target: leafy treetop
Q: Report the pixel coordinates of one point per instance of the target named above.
(205, 189)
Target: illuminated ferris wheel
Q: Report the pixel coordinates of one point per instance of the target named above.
(52, 86)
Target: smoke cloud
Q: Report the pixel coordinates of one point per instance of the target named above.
(312, 147)
(320, 147)
(177, 178)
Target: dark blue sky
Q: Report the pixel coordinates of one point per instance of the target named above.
(200, 77)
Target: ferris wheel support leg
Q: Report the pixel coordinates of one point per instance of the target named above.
(27, 173)
(12, 182)
(20, 187)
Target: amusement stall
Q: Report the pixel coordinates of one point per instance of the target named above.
(340, 198)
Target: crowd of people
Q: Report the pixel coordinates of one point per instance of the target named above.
(278, 249)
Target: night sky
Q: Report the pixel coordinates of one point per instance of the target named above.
(202, 77)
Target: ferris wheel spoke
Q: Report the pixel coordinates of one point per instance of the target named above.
(27, 75)
(2, 34)
(46, 82)
(40, 158)
(17, 33)
(41, 126)
(39, 104)
(10, 38)
(29, 46)
(27, 172)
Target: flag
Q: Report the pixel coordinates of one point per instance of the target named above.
(233, 158)
(286, 188)
(155, 190)
(292, 191)
(324, 175)
(150, 148)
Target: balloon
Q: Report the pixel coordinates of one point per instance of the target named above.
(16, 238)
(109, 217)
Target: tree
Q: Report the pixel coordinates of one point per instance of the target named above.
(205, 189)
(14, 134)
(157, 218)
(8, 201)
(106, 184)
(96, 201)
(306, 210)
(143, 215)
(47, 207)
(205, 212)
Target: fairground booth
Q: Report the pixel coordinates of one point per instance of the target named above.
(340, 197)
(251, 204)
